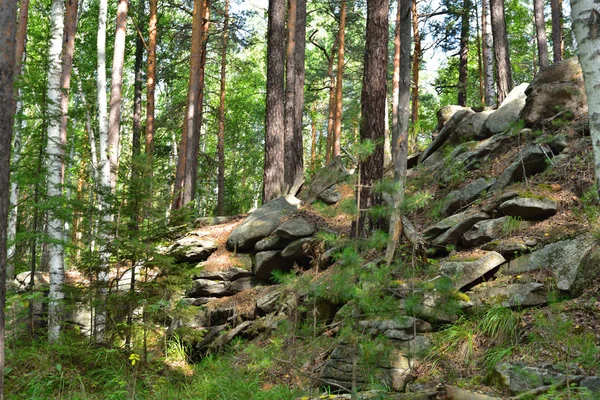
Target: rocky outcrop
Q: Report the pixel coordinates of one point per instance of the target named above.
(531, 160)
(325, 178)
(492, 229)
(508, 112)
(529, 208)
(465, 272)
(445, 113)
(266, 262)
(261, 223)
(192, 249)
(330, 195)
(295, 229)
(463, 197)
(471, 128)
(518, 295)
(445, 133)
(450, 230)
(519, 378)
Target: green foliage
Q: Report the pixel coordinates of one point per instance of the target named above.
(501, 325)
(511, 225)
(416, 201)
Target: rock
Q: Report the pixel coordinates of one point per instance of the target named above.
(490, 208)
(514, 296)
(268, 303)
(398, 329)
(464, 273)
(463, 197)
(330, 196)
(450, 230)
(471, 128)
(300, 248)
(508, 112)
(268, 261)
(528, 208)
(574, 263)
(592, 383)
(566, 70)
(209, 288)
(192, 249)
(200, 301)
(509, 248)
(210, 221)
(530, 161)
(326, 177)
(295, 229)
(445, 133)
(454, 393)
(273, 242)
(22, 281)
(445, 113)
(418, 345)
(80, 314)
(248, 282)
(230, 274)
(261, 223)
(553, 98)
(492, 229)
(519, 378)
(485, 150)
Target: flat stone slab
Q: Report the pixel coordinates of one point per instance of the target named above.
(513, 296)
(493, 229)
(295, 229)
(261, 223)
(528, 208)
(464, 273)
(531, 160)
(463, 197)
(192, 249)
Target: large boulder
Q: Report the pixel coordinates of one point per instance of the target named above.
(485, 150)
(530, 161)
(517, 295)
(295, 229)
(450, 230)
(273, 242)
(465, 272)
(192, 249)
(261, 223)
(445, 133)
(529, 208)
(325, 178)
(563, 71)
(519, 378)
(575, 263)
(300, 248)
(492, 229)
(330, 195)
(230, 274)
(445, 113)
(508, 112)
(551, 99)
(463, 197)
(471, 128)
(266, 262)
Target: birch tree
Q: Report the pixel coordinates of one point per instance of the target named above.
(488, 54)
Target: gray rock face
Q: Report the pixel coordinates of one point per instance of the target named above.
(592, 383)
(398, 329)
(268, 261)
(300, 248)
(520, 378)
(209, 288)
(330, 195)
(445, 113)
(22, 280)
(466, 195)
(273, 242)
(268, 303)
(492, 229)
(530, 161)
(261, 223)
(450, 230)
(464, 273)
(471, 128)
(509, 248)
(445, 133)
(485, 150)
(574, 263)
(326, 177)
(566, 70)
(192, 249)
(295, 229)
(248, 282)
(508, 112)
(553, 98)
(515, 295)
(529, 209)
(230, 274)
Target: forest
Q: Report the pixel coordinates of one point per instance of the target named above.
(301, 199)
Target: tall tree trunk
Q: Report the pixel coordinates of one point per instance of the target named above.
(137, 93)
(151, 82)
(586, 25)
(221, 134)
(104, 162)
(540, 33)
(67, 66)
(400, 134)
(8, 12)
(373, 107)
(17, 105)
(313, 137)
(290, 87)
(396, 75)
(183, 192)
(558, 46)
(55, 162)
(296, 163)
(488, 54)
(331, 108)
(116, 85)
(337, 126)
(416, 64)
(479, 58)
(503, 66)
(273, 181)
(464, 54)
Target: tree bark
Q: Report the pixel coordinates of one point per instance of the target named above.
(540, 33)
(396, 75)
(479, 58)
(558, 46)
(400, 134)
(373, 107)
(464, 54)
(116, 85)
(137, 94)
(313, 137)
(586, 25)
(331, 108)
(296, 163)
(55, 164)
(221, 134)
(488, 55)
(416, 64)
(104, 163)
(8, 12)
(503, 66)
(70, 28)
(337, 126)
(290, 87)
(151, 82)
(273, 181)
(183, 191)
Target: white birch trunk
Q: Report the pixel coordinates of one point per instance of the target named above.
(488, 44)
(586, 27)
(55, 154)
(14, 197)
